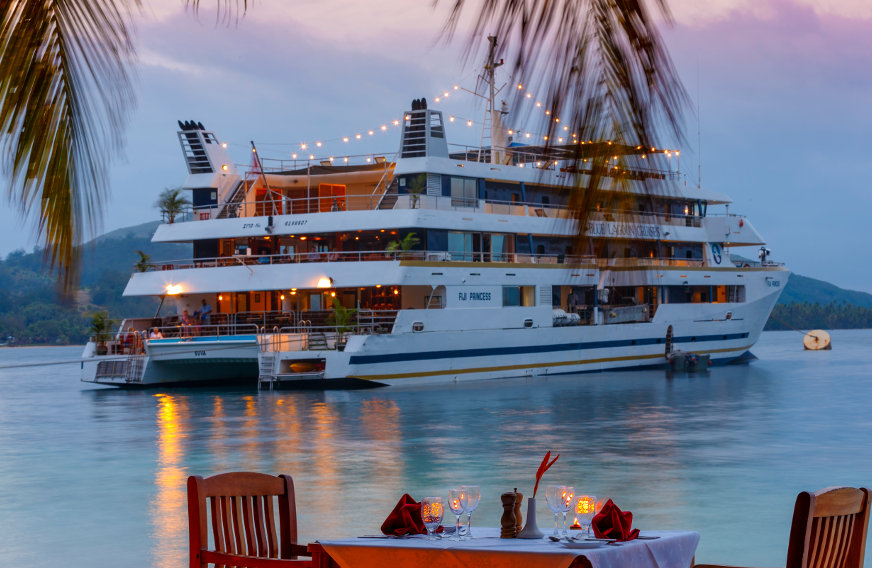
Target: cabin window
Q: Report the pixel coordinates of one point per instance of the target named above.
(460, 245)
(464, 192)
(519, 296)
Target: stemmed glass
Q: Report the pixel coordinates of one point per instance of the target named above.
(470, 495)
(432, 509)
(585, 509)
(455, 505)
(568, 500)
(554, 497)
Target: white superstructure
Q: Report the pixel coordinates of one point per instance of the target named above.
(441, 266)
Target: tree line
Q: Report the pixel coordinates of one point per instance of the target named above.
(805, 316)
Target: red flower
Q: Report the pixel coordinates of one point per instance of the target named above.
(542, 469)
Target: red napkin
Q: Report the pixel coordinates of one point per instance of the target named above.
(405, 518)
(611, 522)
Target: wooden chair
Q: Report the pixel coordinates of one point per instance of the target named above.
(239, 510)
(828, 530)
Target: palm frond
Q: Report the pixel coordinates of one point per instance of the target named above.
(65, 90)
(602, 69)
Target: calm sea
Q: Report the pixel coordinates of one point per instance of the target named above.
(93, 476)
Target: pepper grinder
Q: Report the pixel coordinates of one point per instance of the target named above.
(519, 524)
(508, 526)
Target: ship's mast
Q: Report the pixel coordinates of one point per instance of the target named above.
(495, 122)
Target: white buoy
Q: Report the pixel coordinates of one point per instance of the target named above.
(816, 339)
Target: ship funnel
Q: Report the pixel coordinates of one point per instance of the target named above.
(423, 132)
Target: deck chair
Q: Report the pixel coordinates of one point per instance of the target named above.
(828, 530)
(232, 521)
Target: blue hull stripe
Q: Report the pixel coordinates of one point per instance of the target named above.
(529, 349)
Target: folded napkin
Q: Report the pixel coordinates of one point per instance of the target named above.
(611, 522)
(405, 519)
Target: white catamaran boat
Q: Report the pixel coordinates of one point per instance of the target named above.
(438, 265)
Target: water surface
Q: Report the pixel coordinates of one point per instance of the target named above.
(93, 476)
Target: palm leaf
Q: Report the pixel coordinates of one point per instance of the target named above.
(65, 89)
(600, 65)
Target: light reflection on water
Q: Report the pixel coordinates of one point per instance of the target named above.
(724, 454)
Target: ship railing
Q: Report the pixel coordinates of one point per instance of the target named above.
(281, 165)
(413, 255)
(366, 202)
(327, 337)
(217, 332)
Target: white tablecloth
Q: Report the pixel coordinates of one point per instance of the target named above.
(674, 549)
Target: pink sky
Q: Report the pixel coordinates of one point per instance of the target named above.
(785, 89)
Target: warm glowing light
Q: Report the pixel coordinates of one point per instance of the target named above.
(331, 158)
(520, 86)
(333, 294)
(408, 117)
(396, 292)
(538, 104)
(224, 167)
(302, 146)
(450, 119)
(436, 99)
(469, 123)
(511, 132)
(346, 159)
(396, 123)
(527, 135)
(318, 144)
(547, 113)
(358, 136)
(293, 292)
(456, 87)
(585, 505)
(325, 282)
(282, 296)
(384, 127)
(560, 140)
(567, 128)
(224, 144)
(173, 289)
(303, 238)
(529, 95)
(445, 94)
(254, 150)
(371, 132)
(345, 138)
(294, 156)
(520, 165)
(378, 285)
(311, 156)
(220, 297)
(293, 289)
(368, 160)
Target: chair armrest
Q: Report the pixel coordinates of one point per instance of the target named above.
(300, 550)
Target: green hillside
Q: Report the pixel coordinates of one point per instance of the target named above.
(30, 309)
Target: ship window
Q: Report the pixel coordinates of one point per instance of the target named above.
(464, 192)
(519, 296)
(460, 245)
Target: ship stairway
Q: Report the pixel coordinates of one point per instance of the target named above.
(390, 196)
(133, 368)
(237, 196)
(266, 370)
(317, 342)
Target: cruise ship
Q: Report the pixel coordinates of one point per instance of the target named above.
(439, 264)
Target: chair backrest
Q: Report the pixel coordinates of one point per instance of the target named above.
(829, 529)
(238, 511)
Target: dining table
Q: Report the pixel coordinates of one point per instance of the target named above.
(485, 549)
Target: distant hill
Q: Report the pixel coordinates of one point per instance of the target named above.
(802, 289)
(31, 311)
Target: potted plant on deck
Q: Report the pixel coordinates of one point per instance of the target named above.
(341, 318)
(100, 331)
(403, 248)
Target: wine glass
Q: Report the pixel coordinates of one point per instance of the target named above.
(455, 505)
(585, 509)
(568, 501)
(432, 509)
(470, 495)
(554, 498)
